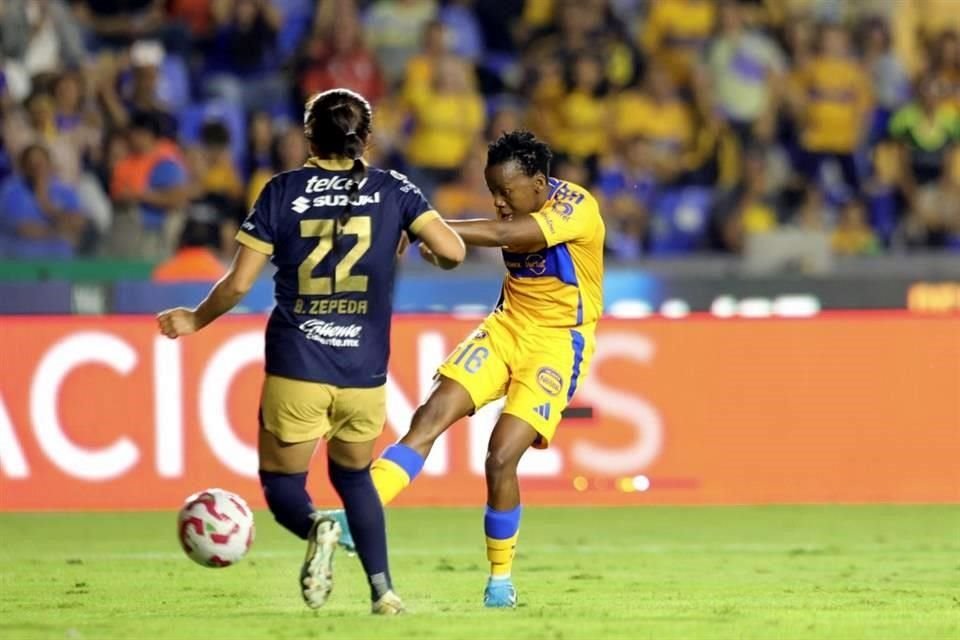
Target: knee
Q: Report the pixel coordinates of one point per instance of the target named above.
(500, 465)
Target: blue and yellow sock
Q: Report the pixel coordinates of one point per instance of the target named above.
(396, 467)
(502, 529)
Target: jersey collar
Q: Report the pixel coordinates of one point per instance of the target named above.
(330, 164)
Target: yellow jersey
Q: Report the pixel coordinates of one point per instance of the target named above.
(838, 99)
(584, 124)
(669, 125)
(676, 31)
(560, 286)
(445, 128)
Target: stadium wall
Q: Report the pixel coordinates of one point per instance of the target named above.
(101, 413)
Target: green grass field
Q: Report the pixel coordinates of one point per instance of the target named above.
(745, 572)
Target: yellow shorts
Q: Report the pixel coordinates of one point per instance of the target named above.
(298, 411)
(538, 369)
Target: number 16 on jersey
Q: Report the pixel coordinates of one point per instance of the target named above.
(472, 356)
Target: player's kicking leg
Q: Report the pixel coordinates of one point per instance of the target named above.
(511, 437)
(400, 463)
(283, 475)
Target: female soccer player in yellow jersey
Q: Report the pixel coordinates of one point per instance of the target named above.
(535, 347)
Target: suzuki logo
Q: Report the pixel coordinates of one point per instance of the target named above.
(301, 204)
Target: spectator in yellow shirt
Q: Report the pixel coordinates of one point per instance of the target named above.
(420, 69)
(677, 31)
(833, 105)
(853, 236)
(584, 113)
(658, 115)
(546, 98)
(446, 122)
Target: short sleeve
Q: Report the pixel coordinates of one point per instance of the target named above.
(570, 216)
(257, 231)
(416, 212)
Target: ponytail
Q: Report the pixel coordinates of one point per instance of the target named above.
(352, 148)
(357, 173)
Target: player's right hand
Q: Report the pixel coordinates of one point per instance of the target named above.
(177, 322)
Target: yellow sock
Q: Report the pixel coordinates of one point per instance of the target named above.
(500, 554)
(389, 478)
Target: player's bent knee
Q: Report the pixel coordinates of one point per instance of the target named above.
(500, 464)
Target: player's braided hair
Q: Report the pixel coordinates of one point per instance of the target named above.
(338, 123)
(522, 147)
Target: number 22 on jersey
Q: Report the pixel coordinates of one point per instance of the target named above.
(342, 281)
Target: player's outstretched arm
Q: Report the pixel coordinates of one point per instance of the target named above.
(520, 234)
(225, 295)
(441, 245)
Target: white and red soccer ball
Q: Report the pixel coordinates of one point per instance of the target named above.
(215, 528)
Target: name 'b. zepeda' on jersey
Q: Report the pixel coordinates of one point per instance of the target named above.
(334, 279)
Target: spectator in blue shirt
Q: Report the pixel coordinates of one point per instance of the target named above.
(628, 188)
(40, 216)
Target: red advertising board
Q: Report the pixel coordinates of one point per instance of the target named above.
(101, 413)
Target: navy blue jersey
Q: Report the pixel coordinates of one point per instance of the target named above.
(334, 291)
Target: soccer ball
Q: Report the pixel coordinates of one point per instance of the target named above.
(215, 528)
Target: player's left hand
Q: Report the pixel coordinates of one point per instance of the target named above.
(177, 322)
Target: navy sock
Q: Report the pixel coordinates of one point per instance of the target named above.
(289, 502)
(365, 517)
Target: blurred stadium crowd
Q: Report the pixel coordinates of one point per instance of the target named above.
(134, 127)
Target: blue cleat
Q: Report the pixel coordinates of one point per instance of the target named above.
(346, 538)
(500, 594)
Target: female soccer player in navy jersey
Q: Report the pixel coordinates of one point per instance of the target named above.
(332, 229)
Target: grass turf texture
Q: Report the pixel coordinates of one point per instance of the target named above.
(726, 572)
